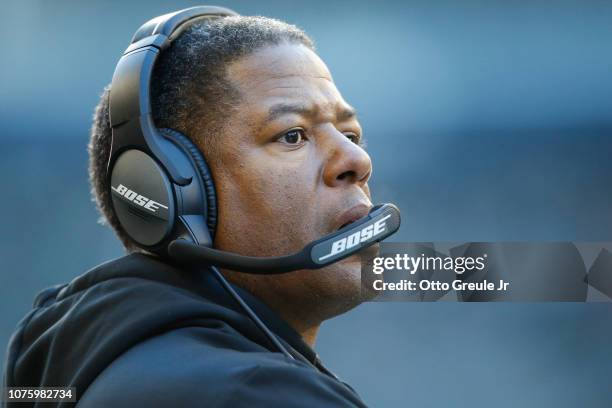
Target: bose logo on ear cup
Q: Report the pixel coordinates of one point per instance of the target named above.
(138, 199)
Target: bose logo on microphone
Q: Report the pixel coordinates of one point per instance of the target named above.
(137, 199)
(363, 235)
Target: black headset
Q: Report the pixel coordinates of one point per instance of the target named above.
(161, 186)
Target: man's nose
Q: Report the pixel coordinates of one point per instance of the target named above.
(347, 163)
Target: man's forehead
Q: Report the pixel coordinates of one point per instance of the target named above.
(275, 64)
(288, 79)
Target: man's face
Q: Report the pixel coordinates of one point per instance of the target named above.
(290, 170)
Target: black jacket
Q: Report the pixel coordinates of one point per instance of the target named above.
(139, 332)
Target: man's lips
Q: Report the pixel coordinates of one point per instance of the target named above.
(352, 214)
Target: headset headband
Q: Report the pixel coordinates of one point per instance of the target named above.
(130, 103)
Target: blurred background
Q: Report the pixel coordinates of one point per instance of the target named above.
(486, 121)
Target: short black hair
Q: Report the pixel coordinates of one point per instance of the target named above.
(189, 91)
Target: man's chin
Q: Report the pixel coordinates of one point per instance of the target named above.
(351, 269)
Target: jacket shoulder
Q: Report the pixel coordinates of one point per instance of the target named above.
(187, 367)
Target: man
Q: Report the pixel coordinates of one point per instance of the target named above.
(284, 150)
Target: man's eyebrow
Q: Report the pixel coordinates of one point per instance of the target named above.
(344, 113)
(281, 109)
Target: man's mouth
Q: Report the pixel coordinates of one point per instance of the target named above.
(351, 215)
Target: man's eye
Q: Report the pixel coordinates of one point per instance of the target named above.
(293, 137)
(353, 138)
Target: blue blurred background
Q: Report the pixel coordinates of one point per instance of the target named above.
(485, 120)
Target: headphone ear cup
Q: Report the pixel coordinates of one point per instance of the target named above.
(204, 172)
(142, 197)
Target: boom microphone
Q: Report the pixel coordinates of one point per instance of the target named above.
(382, 221)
